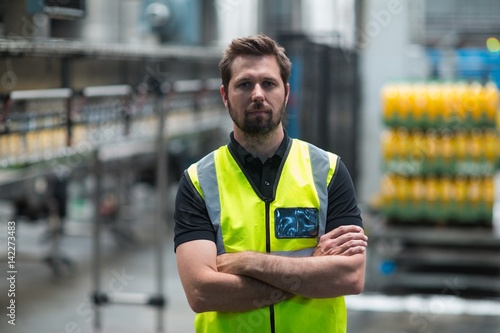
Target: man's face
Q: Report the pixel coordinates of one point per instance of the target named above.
(256, 95)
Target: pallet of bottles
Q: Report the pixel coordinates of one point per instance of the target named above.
(440, 105)
(440, 151)
(415, 152)
(452, 200)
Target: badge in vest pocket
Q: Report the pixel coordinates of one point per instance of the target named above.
(296, 222)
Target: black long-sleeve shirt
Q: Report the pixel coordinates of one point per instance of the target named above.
(191, 217)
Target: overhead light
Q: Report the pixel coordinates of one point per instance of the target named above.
(157, 14)
(493, 45)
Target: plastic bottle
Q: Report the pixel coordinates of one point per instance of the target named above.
(474, 198)
(492, 99)
(473, 100)
(446, 197)
(433, 207)
(389, 104)
(388, 194)
(431, 142)
(488, 198)
(434, 106)
(462, 209)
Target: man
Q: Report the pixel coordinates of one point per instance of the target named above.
(268, 235)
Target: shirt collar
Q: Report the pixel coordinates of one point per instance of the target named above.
(246, 157)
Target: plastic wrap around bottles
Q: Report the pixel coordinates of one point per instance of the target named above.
(440, 150)
(440, 105)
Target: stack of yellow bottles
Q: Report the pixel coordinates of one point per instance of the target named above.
(444, 198)
(440, 151)
(440, 104)
(463, 152)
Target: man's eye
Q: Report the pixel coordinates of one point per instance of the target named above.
(244, 84)
(268, 84)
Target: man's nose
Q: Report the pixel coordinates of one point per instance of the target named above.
(257, 93)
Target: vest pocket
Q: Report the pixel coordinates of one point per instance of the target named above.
(299, 222)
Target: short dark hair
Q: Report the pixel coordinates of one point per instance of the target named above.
(258, 45)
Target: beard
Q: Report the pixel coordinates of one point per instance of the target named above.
(260, 124)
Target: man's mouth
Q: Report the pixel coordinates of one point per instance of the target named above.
(258, 109)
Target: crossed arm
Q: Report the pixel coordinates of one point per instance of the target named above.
(250, 280)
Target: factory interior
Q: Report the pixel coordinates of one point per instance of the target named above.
(104, 104)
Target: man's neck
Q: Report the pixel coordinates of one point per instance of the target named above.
(261, 146)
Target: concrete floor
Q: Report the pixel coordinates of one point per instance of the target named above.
(46, 304)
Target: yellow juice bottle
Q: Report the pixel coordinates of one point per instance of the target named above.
(402, 143)
(491, 102)
(32, 142)
(388, 191)
(16, 145)
(401, 185)
(3, 146)
(447, 103)
(432, 205)
(446, 196)
(433, 105)
(419, 106)
(473, 197)
(431, 144)
(8, 148)
(491, 148)
(460, 145)
(388, 142)
(488, 194)
(60, 138)
(475, 109)
(462, 207)
(445, 150)
(476, 147)
(417, 144)
(461, 105)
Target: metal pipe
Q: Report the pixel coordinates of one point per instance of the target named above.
(96, 168)
(107, 91)
(162, 190)
(40, 94)
(187, 86)
(213, 84)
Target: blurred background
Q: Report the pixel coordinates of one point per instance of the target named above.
(103, 104)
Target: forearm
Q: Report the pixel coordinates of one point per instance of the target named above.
(232, 293)
(313, 277)
(208, 289)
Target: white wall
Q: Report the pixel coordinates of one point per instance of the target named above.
(237, 18)
(385, 54)
(330, 18)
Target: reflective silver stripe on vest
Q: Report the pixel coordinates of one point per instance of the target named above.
(207, 177)
(320, 164)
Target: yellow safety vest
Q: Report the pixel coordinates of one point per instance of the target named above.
(290, 225)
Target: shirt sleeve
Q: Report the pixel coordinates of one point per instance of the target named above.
(342, 202)
(191, 216)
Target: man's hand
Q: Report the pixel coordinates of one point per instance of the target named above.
(346, 240)
(232, 263)
(336, 267)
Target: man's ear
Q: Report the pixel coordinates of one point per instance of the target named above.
(223, 95)
(287, 93)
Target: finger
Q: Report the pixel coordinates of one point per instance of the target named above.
(332, 248)
(340, 240)
(343, 230)
(354, 250)
(349, 247)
